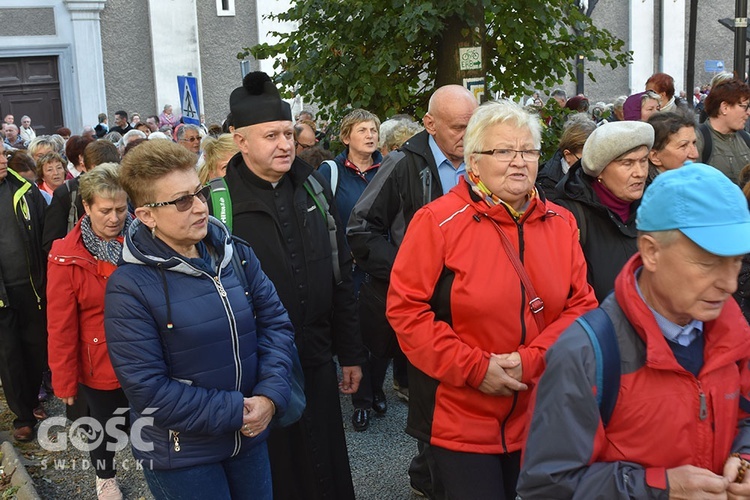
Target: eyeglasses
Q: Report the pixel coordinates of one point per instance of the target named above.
(506, 155)
(184, 203)
(190, 139)
(745, 106)
(303, 146)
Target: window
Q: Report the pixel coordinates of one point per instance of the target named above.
(225, 7)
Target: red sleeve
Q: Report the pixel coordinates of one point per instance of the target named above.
(580, 300)
(431, 345)
(62, 329)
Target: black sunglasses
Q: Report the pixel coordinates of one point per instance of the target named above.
(184, 203)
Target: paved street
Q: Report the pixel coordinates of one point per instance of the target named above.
(379, 458)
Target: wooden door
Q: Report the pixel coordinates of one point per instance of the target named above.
(31, 86)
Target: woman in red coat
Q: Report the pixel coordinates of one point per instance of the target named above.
(472, 328)
(78, 268)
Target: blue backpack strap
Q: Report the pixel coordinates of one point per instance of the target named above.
(598, 326)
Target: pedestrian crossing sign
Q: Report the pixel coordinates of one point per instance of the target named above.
(189, 104)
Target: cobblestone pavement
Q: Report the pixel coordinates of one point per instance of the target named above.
(379, 458)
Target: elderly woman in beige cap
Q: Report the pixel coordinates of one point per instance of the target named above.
(603, 190)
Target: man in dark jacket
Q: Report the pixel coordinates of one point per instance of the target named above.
(23, 325)
(275, 208)
(426, 167)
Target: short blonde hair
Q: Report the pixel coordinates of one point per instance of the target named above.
(354, 117)
(494, 113)
(214, 149)
(149, 162)
(41, 141)
(103, 181)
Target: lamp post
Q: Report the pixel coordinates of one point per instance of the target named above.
(740, 38)
(586, 7)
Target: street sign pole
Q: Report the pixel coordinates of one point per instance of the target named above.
(740, 38)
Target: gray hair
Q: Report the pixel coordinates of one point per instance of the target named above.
(183, 130)
(132, 135)
(619, 102)
(663, 238)
(102, 181)
(494, 113)
(404, 130)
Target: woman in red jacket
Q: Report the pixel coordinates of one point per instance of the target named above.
(469, 323)
(77, 273)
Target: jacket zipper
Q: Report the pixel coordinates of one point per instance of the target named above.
(235, 344)
(216, 280)
(703, 410)
(175, 437)
(523, 290)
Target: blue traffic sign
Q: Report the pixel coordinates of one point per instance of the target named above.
(189, 104)
(713, 66)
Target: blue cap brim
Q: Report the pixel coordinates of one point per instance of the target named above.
(727, 240)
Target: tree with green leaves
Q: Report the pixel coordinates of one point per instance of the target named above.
(388, 56)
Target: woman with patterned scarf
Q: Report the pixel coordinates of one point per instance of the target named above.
(485, 280)
(78, 268)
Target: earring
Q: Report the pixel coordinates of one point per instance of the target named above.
(153, 232)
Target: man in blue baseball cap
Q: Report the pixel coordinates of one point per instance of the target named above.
(650, 400)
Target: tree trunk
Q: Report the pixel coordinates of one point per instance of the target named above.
(460, 33)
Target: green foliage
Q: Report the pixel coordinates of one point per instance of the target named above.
(554, 118)
(381, 54)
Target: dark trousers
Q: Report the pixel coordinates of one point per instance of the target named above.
(309, 458)
(102, 407)
(373, 376)
(23, 352)
(424, 473)
(474, 475)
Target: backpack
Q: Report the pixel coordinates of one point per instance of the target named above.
(72, 186)
(221, 202)
(334, 175)
(708, 143)
(601, 332)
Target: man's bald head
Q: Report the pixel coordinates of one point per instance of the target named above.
(448, 93)
(448, 113)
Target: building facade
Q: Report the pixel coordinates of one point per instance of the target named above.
(657, 33)
(63, 62)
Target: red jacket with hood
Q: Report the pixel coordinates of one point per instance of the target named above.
(664, 416)
(77, 347)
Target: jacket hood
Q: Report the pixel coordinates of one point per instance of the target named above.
(141, 248)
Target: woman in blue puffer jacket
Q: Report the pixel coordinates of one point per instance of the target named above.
(204, 363)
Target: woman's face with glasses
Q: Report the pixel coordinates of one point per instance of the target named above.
(179, 211)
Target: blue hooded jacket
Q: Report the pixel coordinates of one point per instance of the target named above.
(187, 345)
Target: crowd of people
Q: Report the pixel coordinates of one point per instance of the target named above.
(568, 328)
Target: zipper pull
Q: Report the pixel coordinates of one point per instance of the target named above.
(176, 439)
(222, 292)
(703, 414)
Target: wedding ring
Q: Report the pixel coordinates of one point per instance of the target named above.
(245, 427)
